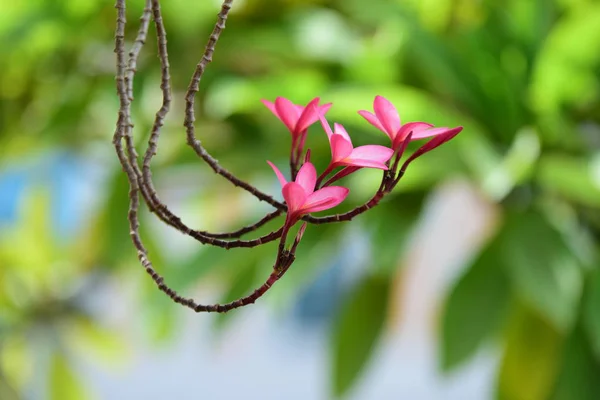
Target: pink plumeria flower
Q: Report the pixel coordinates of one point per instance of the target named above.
(301, 197)
(295, 117)
(343, 153)
(387, 120)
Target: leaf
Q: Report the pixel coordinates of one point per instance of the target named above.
(569, 177)
(591, 313)
(241, 285)
(357, 331)
(580, 371)
(541, 266)
(391, 225)
(475, 309)
(92, 339)
(117, 242)
(530, 362)
(16, 361)
(64, 384)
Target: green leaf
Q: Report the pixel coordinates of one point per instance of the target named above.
(530, 362)
(357, 331)
(241, 285)
(390, 226)
(64, 384)
(475, 309)
(545, 272)
(92, 339)
(570, 177)
(117, 246)
(580, 371)
(591, 312)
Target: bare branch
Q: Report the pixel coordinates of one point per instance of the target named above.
(123, 130)
(190, 117)
(145, 178)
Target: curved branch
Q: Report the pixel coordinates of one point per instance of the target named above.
(125, 82)
(190, 116)
(123, 130)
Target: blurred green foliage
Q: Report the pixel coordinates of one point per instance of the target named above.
(521, 76)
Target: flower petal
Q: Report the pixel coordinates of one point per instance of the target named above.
(340, 147)
(325, 107)
(326, 126)
(430, 132)
(280, 176)
(294, 196)
(415, 127)
(309, 115)
(287, 112)
(372, 152)
(372, 119)
(307, 178)
(324, 199)
(387, 115)
(271, 107)
(360, 163)
(432, 144)
(340, 130)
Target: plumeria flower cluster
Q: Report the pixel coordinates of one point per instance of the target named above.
(309, 193)
(305, 193)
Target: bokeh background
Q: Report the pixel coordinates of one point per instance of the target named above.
(478, 278)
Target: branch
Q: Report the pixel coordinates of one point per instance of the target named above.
(348, 216)
(190, 117)
(123, 130)
(147, 187)
(125, 77)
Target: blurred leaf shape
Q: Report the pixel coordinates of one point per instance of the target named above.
(114, 230)
(16, 363)
(516, 167)
(96, 341)
(391, 226)
(476, 308)
(544, 271)
(64, 383)
(357, 331)
(564, 70)
(571, 177)
(244, 282)
(591, 312)
(578, 378)
(530, 362)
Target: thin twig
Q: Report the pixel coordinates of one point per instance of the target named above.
(146, 185)
(123, 128)
(190, 116)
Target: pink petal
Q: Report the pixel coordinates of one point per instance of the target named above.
(270, 106)
(357, 162)
(415, 127)
(372, 152)
(433, 143)
(326, 126)
(387, 115)
(280, 176)
(340, 130)
(324, 199)
(325, 107)
(429, 132)
(340, 148)
(372, 119)
(307, 177)
(287, 112)
(309, 115)
(294, 196)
